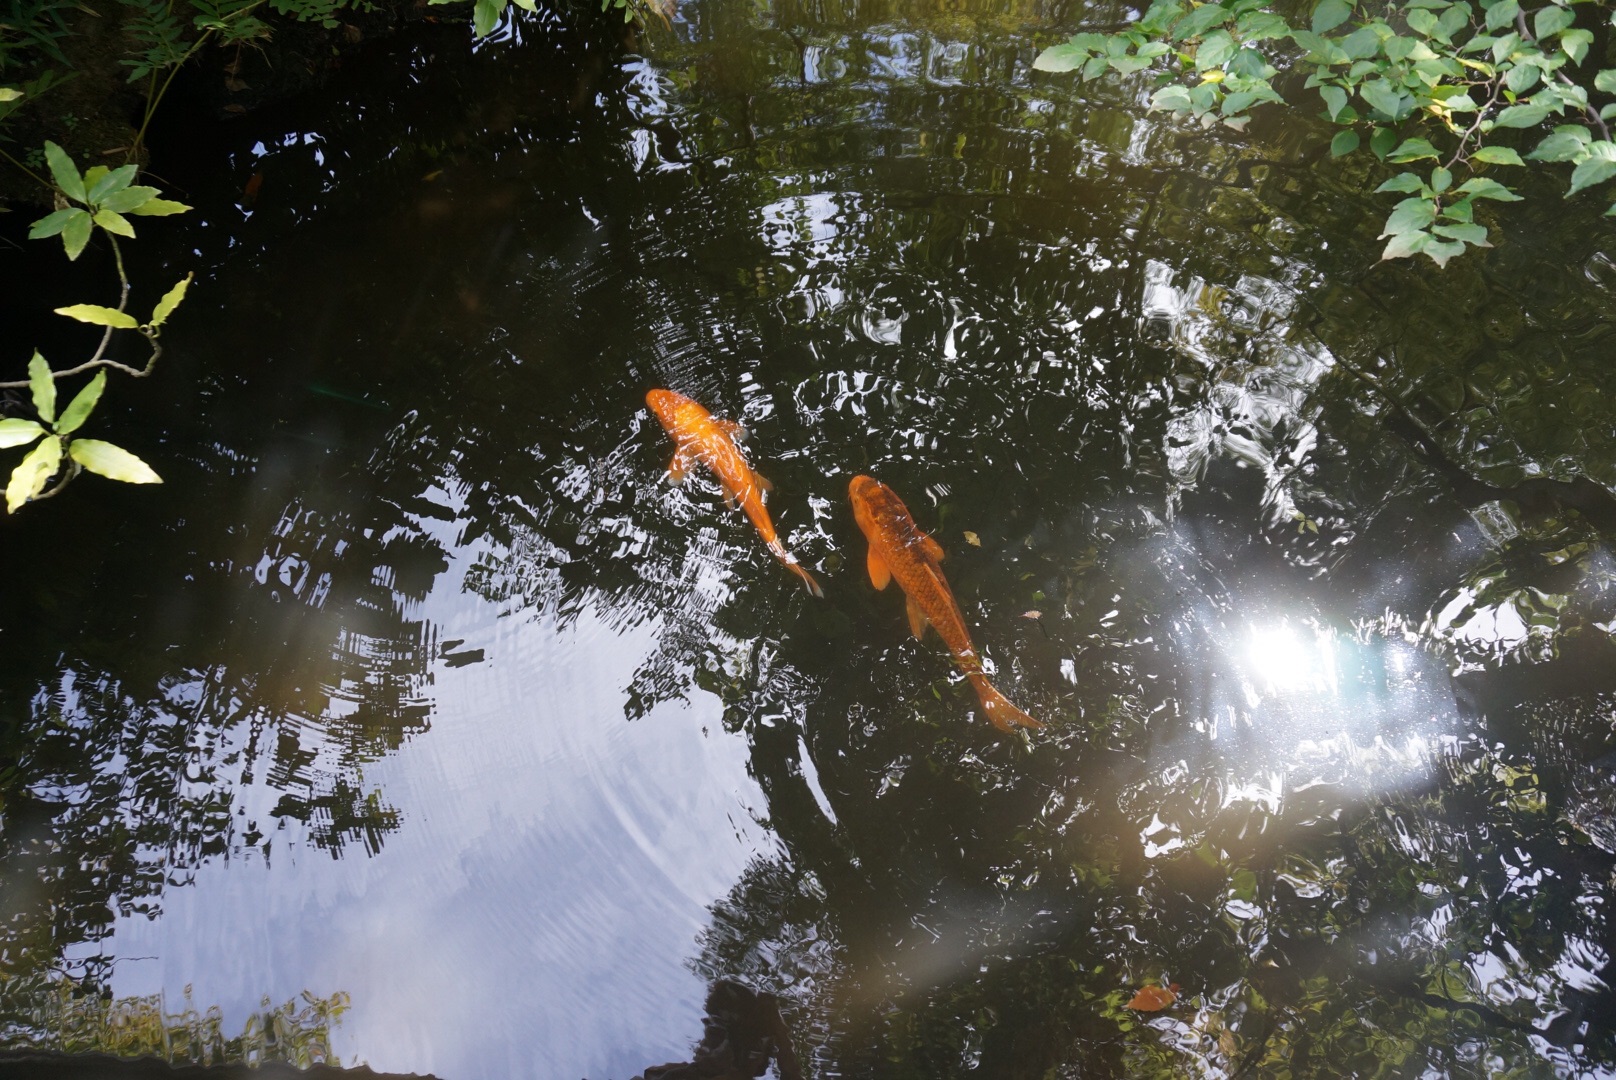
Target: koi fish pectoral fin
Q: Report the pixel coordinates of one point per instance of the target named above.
(735, 431)
(761, 481)
(917, 620)
(880, 574)
(933, 550)
(679, 467)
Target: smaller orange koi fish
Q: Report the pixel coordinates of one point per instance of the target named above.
(701, 437)
(898, 549)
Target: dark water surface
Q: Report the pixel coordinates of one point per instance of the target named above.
(414, 689)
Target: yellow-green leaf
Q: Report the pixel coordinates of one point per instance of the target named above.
(64, 171)
(43, 387)
(114, 222)
(75, 234)
(8, 94)
(17, 432)
(51, 224)
(29, 478)
(101, 316)
(158, 208)
(113, 462)
(79, 408)
(108, 183)
(171, 300)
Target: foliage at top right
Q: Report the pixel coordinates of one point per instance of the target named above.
(1438, 81)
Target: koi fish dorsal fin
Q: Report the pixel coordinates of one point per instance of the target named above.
(932, 549)
(880, 573)
(736, 432)
(917, 620)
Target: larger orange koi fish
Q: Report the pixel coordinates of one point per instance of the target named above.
(700, 437)
(898, 549)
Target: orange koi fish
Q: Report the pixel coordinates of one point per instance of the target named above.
(700, 437)
(898, 549)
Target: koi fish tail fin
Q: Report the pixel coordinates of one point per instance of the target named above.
(795, 567)
(807, 579)
(1004, 715)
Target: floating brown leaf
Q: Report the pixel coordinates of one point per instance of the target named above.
(1154, 998)
(972, 539)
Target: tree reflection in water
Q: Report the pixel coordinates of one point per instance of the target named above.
(1121, 355)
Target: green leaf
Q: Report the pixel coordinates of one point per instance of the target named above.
(1550, 20)
(1362, 43)
(1522, 116)
(1595, 170)
(1128, 64)
(1567, 143)
(125, 201)
(1521, 78)
(1502, 14)
(30, 477)
(64, 171)
(75, 234)
(1329, 14)
(1441, 179)
(43, 387)
(78, 409)
(112, 181)
(1344, 143)
(1606, 81)
(1335, 99)
(1171, 98)
(484, 18)
(1255, 26)
(1410, 215)
(1382, 141)
(100, 316)
(112, 462)
(8, 94)
(1483, 188)
(1452, 21)
(157, 208)
(1574, 43)
(1422, 22)
(114, 223)
(1244, 885)
(1062, 57)
(1200, 21)
(171, 300)
(1497, 155)
(1096, 67)
(1413, 150)
(1404, 181)
(1162, 14)
(1386, 98)
(1216, 49)
(18, 432)
(1441, 251)
(1403, 245)
(51, 224)
(1470, 234)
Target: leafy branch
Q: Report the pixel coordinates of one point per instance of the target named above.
(103, 196)
(1459, 72)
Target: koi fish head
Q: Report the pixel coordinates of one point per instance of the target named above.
(872, 503)
(667, 405)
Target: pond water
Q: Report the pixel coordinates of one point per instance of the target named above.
(416, 691)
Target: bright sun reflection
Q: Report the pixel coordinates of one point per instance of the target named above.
(1287, 659)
